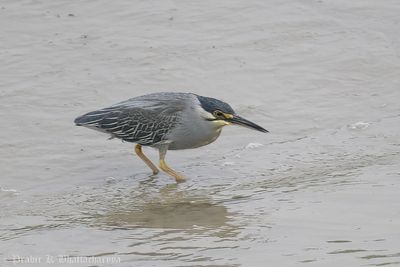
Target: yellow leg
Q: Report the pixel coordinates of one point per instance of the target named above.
(163, 165)
(139, 152)
(178, 177)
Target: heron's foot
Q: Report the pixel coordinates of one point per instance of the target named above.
(179, 178)
(139, 152)
(155, 172)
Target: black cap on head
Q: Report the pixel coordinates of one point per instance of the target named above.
(211, 104)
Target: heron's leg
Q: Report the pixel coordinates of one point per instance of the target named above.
(139, 152)
(163, 166)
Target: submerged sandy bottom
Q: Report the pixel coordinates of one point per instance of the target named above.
(321, 189)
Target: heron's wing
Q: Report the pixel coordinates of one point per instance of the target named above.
(167, 103)
(143, 122)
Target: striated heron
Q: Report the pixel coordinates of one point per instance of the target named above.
(165, 121)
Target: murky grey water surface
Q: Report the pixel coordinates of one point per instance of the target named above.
(322, 189)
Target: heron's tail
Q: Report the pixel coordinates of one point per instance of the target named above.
(90, 119)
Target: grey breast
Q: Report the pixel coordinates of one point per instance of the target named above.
(193, 130)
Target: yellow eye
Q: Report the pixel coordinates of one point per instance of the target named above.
(218, 114)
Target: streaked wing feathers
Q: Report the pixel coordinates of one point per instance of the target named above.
(146, 126)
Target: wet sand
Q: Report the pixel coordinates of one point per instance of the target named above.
(321, 189)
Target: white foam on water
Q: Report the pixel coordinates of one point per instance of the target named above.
(359, 125)
(253, 145)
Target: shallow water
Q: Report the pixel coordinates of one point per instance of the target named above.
(321, 189)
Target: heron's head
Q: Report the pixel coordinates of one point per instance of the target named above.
(222, 114)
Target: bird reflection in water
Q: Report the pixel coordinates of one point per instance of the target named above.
(167, 208)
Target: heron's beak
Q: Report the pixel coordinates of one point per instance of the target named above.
(246, 123)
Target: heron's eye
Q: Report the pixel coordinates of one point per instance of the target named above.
(218, 114)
